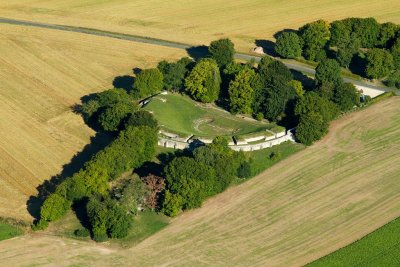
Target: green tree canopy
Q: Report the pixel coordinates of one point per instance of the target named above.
(110, 119)
(288, 45)
(241, 92)
(346, 96)
(54, 207)
(328, 71)
(315, 35)
(379, 63)
(313, 103)
(395, 51)
(203, 82)
(311, 128)
(174, 73)
(141, 118)
(147, 83)
(222, 51)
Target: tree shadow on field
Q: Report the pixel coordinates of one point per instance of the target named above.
(125, 82)
(97, 143)
(267, 46)
(198, 52)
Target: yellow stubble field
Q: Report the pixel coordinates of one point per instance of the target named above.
(197, 22)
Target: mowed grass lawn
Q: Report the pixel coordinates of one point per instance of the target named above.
(182, 115)
(44, 73)
(197, 22)
(306, 206)
(380, 248)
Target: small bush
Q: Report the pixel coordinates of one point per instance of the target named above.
(40, 225)
(259, 116)
(275, 156)
(82, 232)
(244, 170)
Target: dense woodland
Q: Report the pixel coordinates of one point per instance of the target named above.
(362, 45)
(267, 91)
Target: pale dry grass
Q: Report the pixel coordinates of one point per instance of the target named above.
(306, 206)
(42, 74)
(197, 22)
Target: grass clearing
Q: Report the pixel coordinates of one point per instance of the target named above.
(197, 22)
(180, 114)
(43, 73)
(379, 248)
(306, 206)
(8, 231)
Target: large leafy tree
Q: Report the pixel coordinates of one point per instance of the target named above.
(395, 51)
(203, 82)
(346, 96)
(174, 73)
(147, 83)
(313, 103)
(241, 92)
(315, 35)
(379, 63)
(328, 71)
(141, 118)
(311, 128)
(111, 118)
(387, 34)
(222, 51)
(288, 45)
(188, 183)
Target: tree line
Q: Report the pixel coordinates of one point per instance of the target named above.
(357, 41)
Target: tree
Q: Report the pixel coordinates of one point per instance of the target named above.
(313, 103)
(188, 182)
(174, 73)
(110, 119)
(379, 63)
(365, 29)
(147, 82)
(141, 118)
(340, 33)
(131, 194)
(328, 71)
(395, 51)
(311, 128)
(272, 97)
(394, 79)
(297, 86)
(315, 35)
(222, 51)
(156, 185)
(203, 82)
(241, 92)
(346, 51)
(387, 34)
(346, 96)
(288, 45)
(54, 207)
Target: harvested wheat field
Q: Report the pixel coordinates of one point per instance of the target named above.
(197, 22)
(43, 73)
(306, 206)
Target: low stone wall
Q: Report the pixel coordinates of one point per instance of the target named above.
(252, 147)
(164, 142)
(241, 146)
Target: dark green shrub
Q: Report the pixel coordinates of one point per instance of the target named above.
(83, 232)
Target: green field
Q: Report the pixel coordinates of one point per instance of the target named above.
(8, 231)
(179, 114)
(380, 248)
